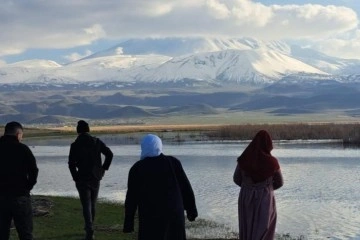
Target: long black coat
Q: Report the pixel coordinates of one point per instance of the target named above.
(159, 188)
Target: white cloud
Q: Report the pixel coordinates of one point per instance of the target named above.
(11, 50)
(76, 56)
(217, 9)
(312, 21)
(344, 48)
(247, 13)
(119, 51)
(71, 23)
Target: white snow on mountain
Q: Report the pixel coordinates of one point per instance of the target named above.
(184, 46)
(251, 66)
(111, 68)
(243, 60)
(26, 71)
(35, 63)
(326, 63)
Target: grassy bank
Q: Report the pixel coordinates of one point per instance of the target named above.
(61, 218)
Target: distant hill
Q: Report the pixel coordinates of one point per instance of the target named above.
(141, 79)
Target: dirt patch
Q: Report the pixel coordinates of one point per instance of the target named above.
(41, 206)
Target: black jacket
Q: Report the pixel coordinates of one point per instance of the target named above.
(18, 171)
(160, 190)
(85, 153)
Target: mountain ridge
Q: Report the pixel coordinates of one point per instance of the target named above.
(243, 61)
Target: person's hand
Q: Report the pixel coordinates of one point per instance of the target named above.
(191, 216)
(76, 177)
(128, 226)
(128, 229)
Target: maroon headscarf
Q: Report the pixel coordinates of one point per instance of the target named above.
(256, 160)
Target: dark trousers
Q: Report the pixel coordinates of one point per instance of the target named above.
(19, 209)
(88, 193)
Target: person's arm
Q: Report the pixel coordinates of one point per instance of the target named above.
(187, 192)
(108, 155)
(33, 170)
(72, 164)
(237, 176)
(278, 180)
(131, 202)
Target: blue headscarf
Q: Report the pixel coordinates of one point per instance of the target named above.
(151, 146)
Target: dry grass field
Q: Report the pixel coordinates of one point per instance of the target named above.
(349, 131)
(144, 128)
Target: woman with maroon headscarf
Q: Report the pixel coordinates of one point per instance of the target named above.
(258, 174)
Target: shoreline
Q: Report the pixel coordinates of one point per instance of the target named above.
(348, 133)
(52, 219)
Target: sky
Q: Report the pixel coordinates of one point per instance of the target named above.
(67, 30)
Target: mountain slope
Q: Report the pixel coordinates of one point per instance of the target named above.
(324, 62)
(247, 66)
(213, 61)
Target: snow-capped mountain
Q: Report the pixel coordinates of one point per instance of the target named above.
(243, 60)
(241, 66)
(184, 46)
(152, 78)
(332, 65)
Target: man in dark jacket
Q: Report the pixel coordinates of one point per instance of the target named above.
(87, 170)
(18, 175)
(160, 191)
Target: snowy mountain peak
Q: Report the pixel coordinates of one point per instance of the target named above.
(185, 46)
(35, 63)
(213, 60)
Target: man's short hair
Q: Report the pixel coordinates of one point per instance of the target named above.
(82, 127)
(11, 128)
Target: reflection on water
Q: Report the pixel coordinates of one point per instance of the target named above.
(320, 198)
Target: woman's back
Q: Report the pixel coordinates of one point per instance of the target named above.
(258, 174)
(257, 209)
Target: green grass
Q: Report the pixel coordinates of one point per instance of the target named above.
(65, 221)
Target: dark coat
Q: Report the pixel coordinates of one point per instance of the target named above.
(85, 153)
(159, 188)
(18, 171)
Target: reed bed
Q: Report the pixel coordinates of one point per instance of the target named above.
(346, 132)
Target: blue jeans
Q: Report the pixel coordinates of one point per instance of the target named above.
(19, 209)
(88, 193)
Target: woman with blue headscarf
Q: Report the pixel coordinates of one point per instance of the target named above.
(160, 190)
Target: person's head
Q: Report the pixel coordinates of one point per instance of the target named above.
(151, 146)
(256, 160)
(82, 127)
(14, 129)
(263, 141)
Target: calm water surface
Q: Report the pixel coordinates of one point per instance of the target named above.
(320, 198)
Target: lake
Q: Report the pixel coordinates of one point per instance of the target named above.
(320, 198)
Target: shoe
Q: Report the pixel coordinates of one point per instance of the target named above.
(89, 235)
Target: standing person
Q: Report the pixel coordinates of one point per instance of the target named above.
(258, 174)
(18, 175)
(87, 170)
(159, 188)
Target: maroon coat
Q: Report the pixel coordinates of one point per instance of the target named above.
(258, 174)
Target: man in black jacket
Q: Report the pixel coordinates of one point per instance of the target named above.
(18, 175)
(87, 170)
